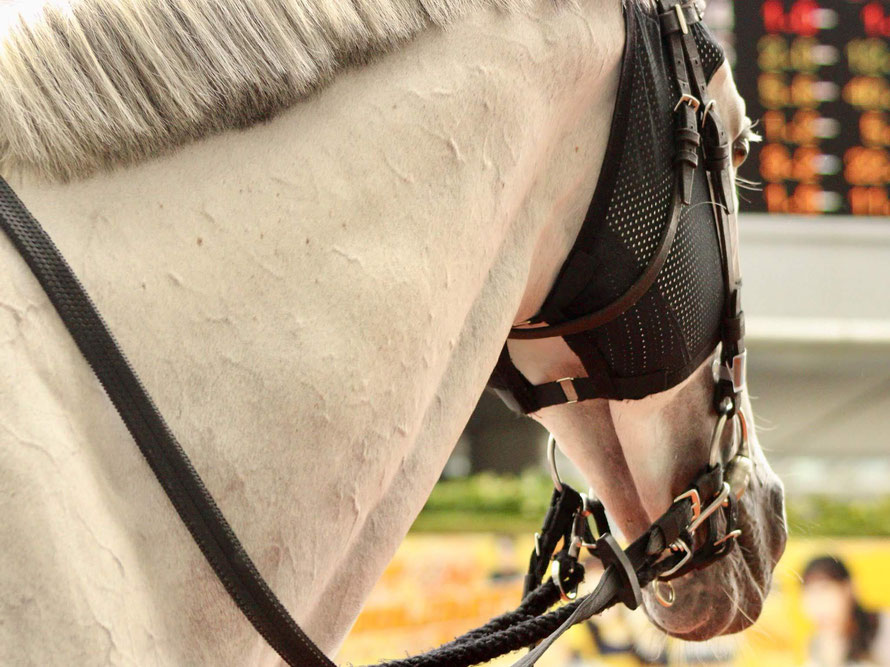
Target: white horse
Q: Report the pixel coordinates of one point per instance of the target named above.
(310, 226)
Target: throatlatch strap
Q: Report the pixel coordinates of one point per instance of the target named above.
(168, 461)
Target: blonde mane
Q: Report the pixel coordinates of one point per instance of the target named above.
(87, 85)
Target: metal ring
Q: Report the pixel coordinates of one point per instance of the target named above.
(554, 575)
(671, 597)
(716, 439)
(551, 460)
(743, 449)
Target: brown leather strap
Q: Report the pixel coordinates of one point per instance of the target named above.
(671, 21)
(615, 309)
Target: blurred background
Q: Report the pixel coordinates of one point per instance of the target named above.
(816, 262)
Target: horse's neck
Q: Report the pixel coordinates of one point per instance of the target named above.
(315, 305)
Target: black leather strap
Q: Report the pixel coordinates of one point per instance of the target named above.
(557, 525)
(168, 461)
(716, 147)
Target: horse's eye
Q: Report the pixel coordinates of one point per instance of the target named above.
(740, 148)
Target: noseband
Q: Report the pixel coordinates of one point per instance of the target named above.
(671, 547)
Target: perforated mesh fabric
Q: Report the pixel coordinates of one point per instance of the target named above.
(675, 325)
(709, 49)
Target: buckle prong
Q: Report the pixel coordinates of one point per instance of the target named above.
(684, 28)
(732, 535)
(691, 100)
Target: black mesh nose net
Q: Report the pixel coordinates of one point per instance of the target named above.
(672, 328)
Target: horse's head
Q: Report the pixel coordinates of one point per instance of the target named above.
(639, 455)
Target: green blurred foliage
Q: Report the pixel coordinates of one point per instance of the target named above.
(510, 504)
(487, 503)
(821, 516)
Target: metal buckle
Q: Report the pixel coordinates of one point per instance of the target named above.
(710, 106)
(568, 389)
(716, 504)
(735, 372)
(693, 495)
(686, 98)
(677, 546)
(684, 28)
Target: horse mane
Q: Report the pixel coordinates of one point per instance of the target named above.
(87, 85)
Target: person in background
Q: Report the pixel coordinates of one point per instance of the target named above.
(846, 633)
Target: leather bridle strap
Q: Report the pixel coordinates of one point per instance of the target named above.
(643, 561)
(185, 489)
(717, 152)
(624, 302)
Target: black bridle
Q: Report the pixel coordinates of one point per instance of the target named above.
(668, 549)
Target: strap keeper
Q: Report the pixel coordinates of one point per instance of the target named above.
(735, 371)
(687, 156)
(734, 328)
(717, 164)
(679, 18)
(689, 136)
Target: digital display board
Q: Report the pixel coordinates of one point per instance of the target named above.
(817, 76)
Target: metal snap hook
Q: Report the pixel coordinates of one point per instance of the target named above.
(551, 461)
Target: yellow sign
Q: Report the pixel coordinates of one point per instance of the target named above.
(439, 586)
